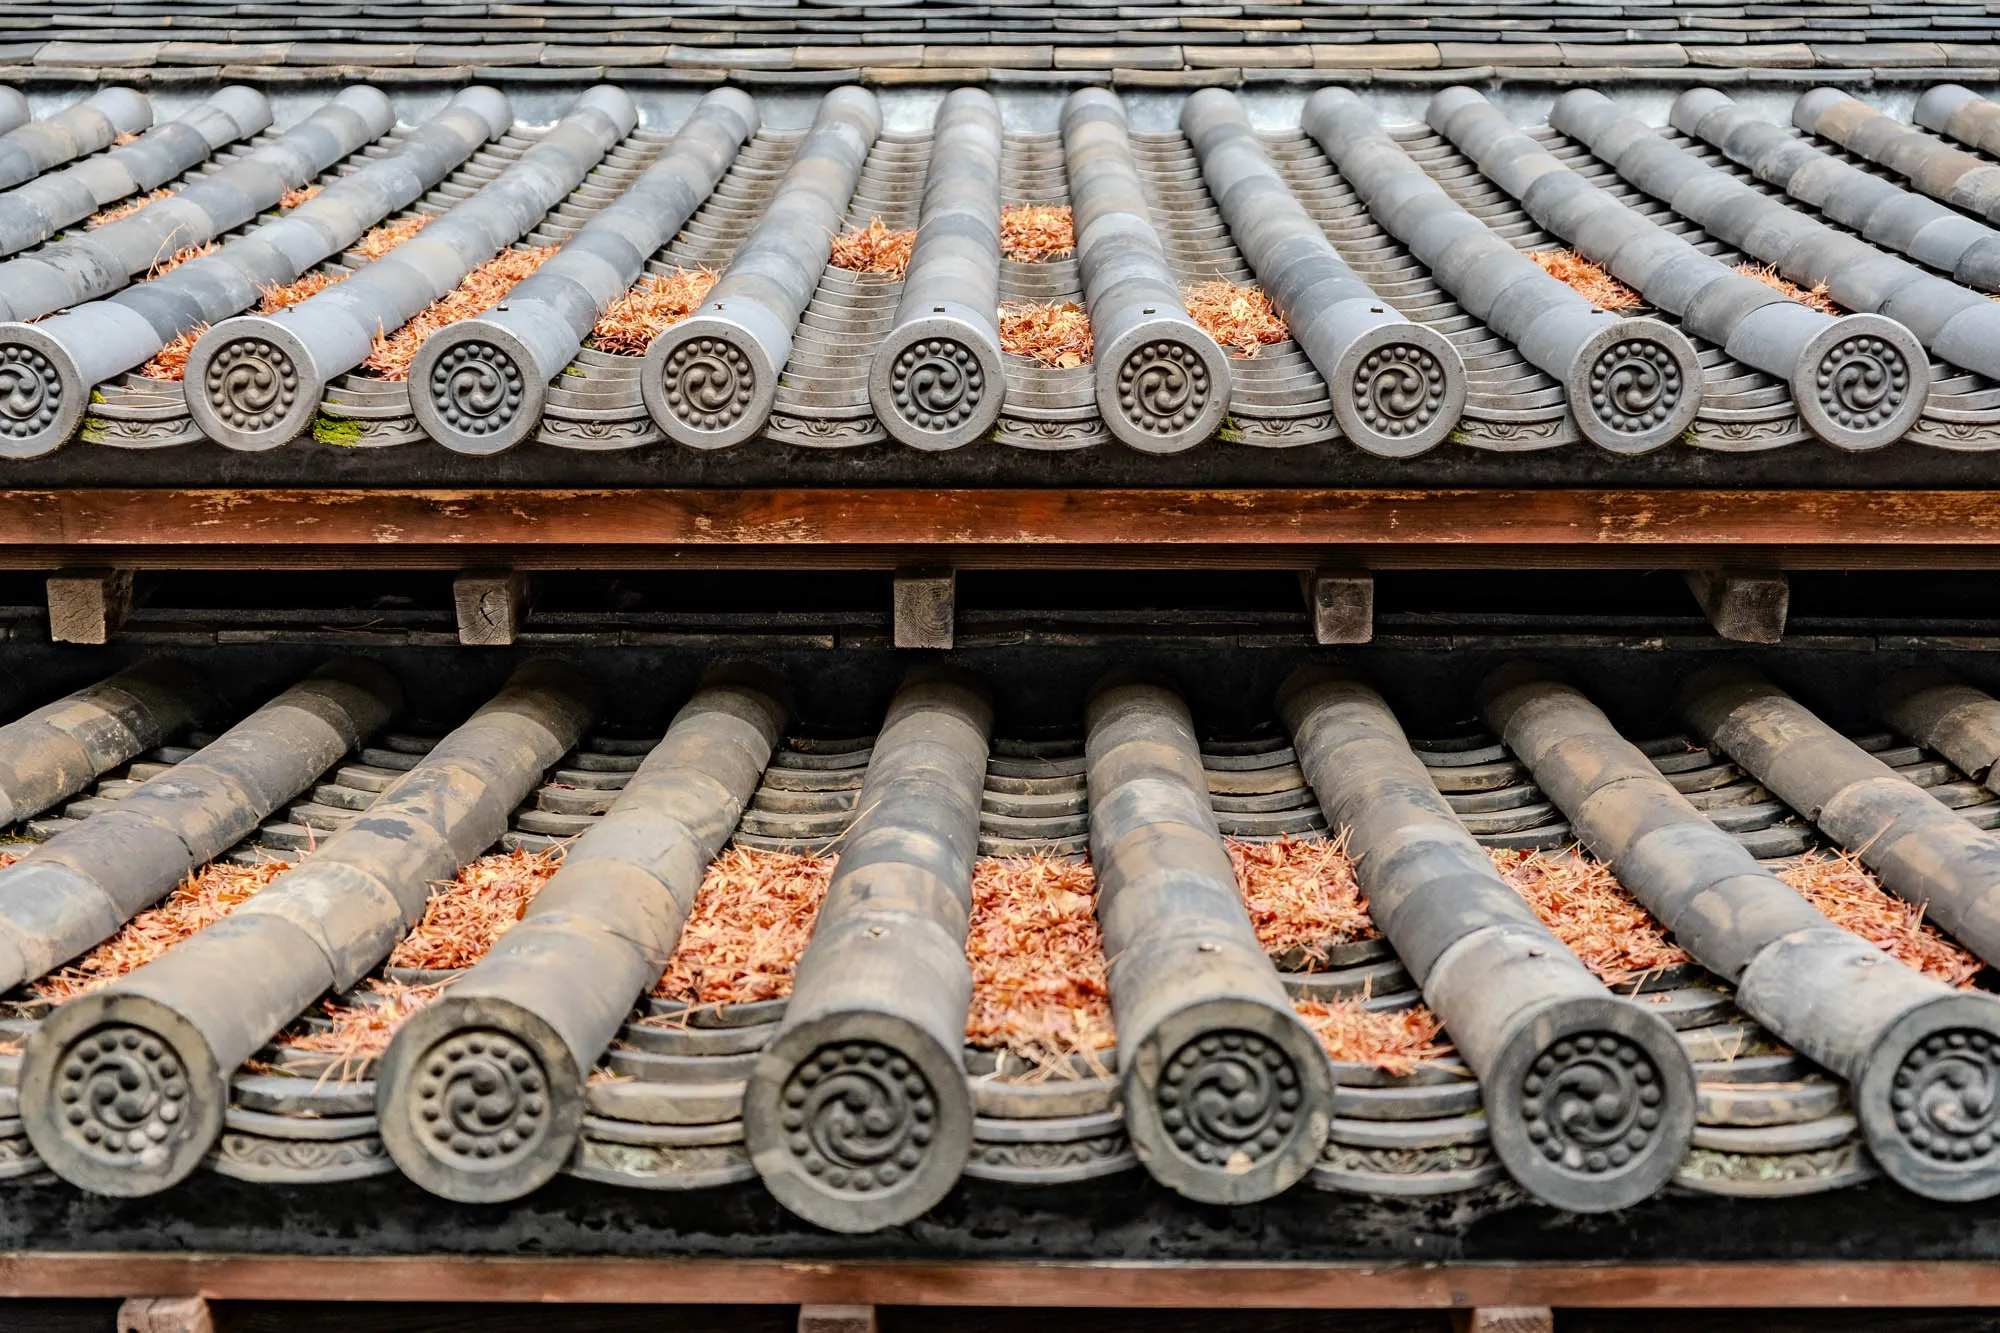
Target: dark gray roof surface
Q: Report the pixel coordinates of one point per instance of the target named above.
(1892, 217)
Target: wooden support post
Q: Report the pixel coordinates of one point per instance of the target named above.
(926, 607)
(88, 605)
(1505, 1319)
(165, 1314)
(1341, 603)
(491, 603)
(1747, 606)
(837, 1319)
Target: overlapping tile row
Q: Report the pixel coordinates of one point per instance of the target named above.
(1381, 243)
(552, 1053)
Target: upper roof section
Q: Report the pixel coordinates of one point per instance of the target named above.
(1182, 45)
(1590, 294)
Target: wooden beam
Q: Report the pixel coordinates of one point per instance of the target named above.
(837, 1319)
(1054, 518)
(926, 603)
(165, 1314)
(88, 605)
(1112, 1284)
(1505, 1319)
(1746, 606)
(1341, 604)
(490, 603)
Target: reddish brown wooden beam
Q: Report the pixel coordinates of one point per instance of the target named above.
(1157, 1285)
(901, 519)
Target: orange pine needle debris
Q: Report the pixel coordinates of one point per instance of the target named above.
(1397, 1041)
(751, 921)
(170, 362)
(1053, 334)
(302, 288)
(1036, 233)
(1302, 894)
(1579, 899)
(360, 1032)
(660, 301)
(874, 249)
(118, 212)
(127, 137)
(1588, 280)
(1040, 984)
(381, 240)
(202, 899)
(1239, 318)
(179, 257)
(482, 289)
(1848, 893)
(466, 914)
(291, 199)
(1813, 297)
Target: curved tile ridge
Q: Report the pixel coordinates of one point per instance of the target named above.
(1966, 250)
(59, 749)
(530, 1020)
(479, 386)
(1591, 1099)
(78, 129)
(1632, 384)
(1858, 385)
(95, 263)
(857, 1114)
(33, 212)
(255, 381)
(1957, 323)
(1923, 1058)
(49, 368)
(170, 1034)
(1961, 114)
(1228, 1095)
(711, 381)
(1924, 851)
(938, 381)
(1398, 387)
(1162, 383)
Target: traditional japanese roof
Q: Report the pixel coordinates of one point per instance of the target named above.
(1809, 292)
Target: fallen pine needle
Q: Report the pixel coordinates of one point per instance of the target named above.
(1036, 233)
(302, 288)
(1848, 893)
(201, 900)
(660, 301)
(359, 1032)
(482, 289)
(1580, 900)
(1040, 987)
(1055, 335)
(1813, 297)
(467, 913)
(1240, 318)
(1588, 280)
(179, 257)
(1301, 894)
(381, 240)
(291, 199)
(170, 362)
(1397, 1041)
(119, 212)
(751, 921)
(874, 249)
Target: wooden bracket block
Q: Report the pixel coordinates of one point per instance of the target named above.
(837, 1319)
(1505, 1319)
(88, 605)
(165, 1314)
(1747, 606)
(926, 607)
(491, 603)
(1341, 603)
